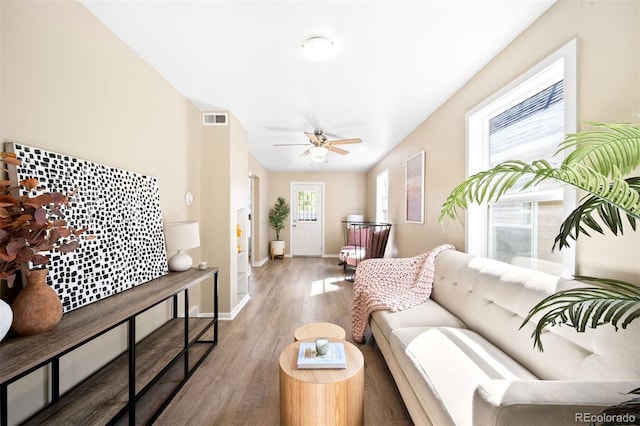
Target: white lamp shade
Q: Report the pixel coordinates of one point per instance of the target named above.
(181, 235)
(318, 151)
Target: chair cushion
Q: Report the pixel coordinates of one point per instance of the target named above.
(378, 242)
(355, 256)
(358, 236)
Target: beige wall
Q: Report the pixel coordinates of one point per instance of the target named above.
(225, 177)
(108, 107)
(215, 206)
(345, 193)
(69, 85)
(608, 90)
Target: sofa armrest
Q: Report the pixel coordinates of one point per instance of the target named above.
(546, 402)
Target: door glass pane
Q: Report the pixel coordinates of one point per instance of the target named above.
(307, 206)
(522, 232)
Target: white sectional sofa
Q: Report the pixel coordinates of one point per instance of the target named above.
(461, 359)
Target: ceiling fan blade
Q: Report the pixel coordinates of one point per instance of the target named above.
(346, 141)
(307, 152)
(313, 138)
(290, 144)
(337, 150)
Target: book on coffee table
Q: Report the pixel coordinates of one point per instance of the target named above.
(308, 358)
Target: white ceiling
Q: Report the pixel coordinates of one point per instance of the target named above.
(395, 63)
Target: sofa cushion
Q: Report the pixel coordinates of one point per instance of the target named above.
(444, 365)
(493, 298)
(546, 402)
(428, 314)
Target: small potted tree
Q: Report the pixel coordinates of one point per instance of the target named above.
(277, 216)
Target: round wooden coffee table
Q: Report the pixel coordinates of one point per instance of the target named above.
(321, 396)
(319, 329)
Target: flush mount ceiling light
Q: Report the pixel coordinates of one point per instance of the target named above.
(317, 48)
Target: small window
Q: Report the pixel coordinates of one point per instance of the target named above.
(382, 196)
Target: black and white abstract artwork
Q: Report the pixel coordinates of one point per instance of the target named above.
(121, 208)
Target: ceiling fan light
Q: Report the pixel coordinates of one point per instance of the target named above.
(318, 159)
(317, 49)
(318, 152)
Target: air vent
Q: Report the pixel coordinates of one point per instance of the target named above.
(215, 119)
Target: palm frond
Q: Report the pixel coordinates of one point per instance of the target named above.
(613, 150)
(612, 302)
(490, 185)
(582, 217)
(597, 164)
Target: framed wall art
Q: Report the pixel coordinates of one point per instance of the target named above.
(120, 207)
(414, 188)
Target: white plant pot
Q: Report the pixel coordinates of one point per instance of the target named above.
(6, 318)
(277, 248)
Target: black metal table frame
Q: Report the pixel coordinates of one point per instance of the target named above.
(130, 407)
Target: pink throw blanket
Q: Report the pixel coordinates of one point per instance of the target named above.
(393, 284)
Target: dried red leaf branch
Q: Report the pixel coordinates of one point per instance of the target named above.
(31, 224)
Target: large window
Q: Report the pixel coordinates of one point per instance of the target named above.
(525, 121)
(382, 196)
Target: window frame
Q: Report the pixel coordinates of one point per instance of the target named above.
(379, 208)
(477, 152)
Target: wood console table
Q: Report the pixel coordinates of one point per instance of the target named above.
(113, 391)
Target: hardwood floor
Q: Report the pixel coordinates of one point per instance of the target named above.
(238, 383)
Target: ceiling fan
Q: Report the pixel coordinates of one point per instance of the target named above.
(321, 145)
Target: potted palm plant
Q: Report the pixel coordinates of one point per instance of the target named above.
(277, 217)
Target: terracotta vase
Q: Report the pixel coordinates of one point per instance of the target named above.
(37, 307)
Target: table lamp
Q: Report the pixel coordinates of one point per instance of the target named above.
(180, 236)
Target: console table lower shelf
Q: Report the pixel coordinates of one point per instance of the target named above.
(137, 385)
(160, 367)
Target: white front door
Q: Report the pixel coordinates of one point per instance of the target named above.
(307, 222)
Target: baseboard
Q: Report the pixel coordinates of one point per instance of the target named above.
(260, 262)
(194, 312)
(228, 316)
(263, 261)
